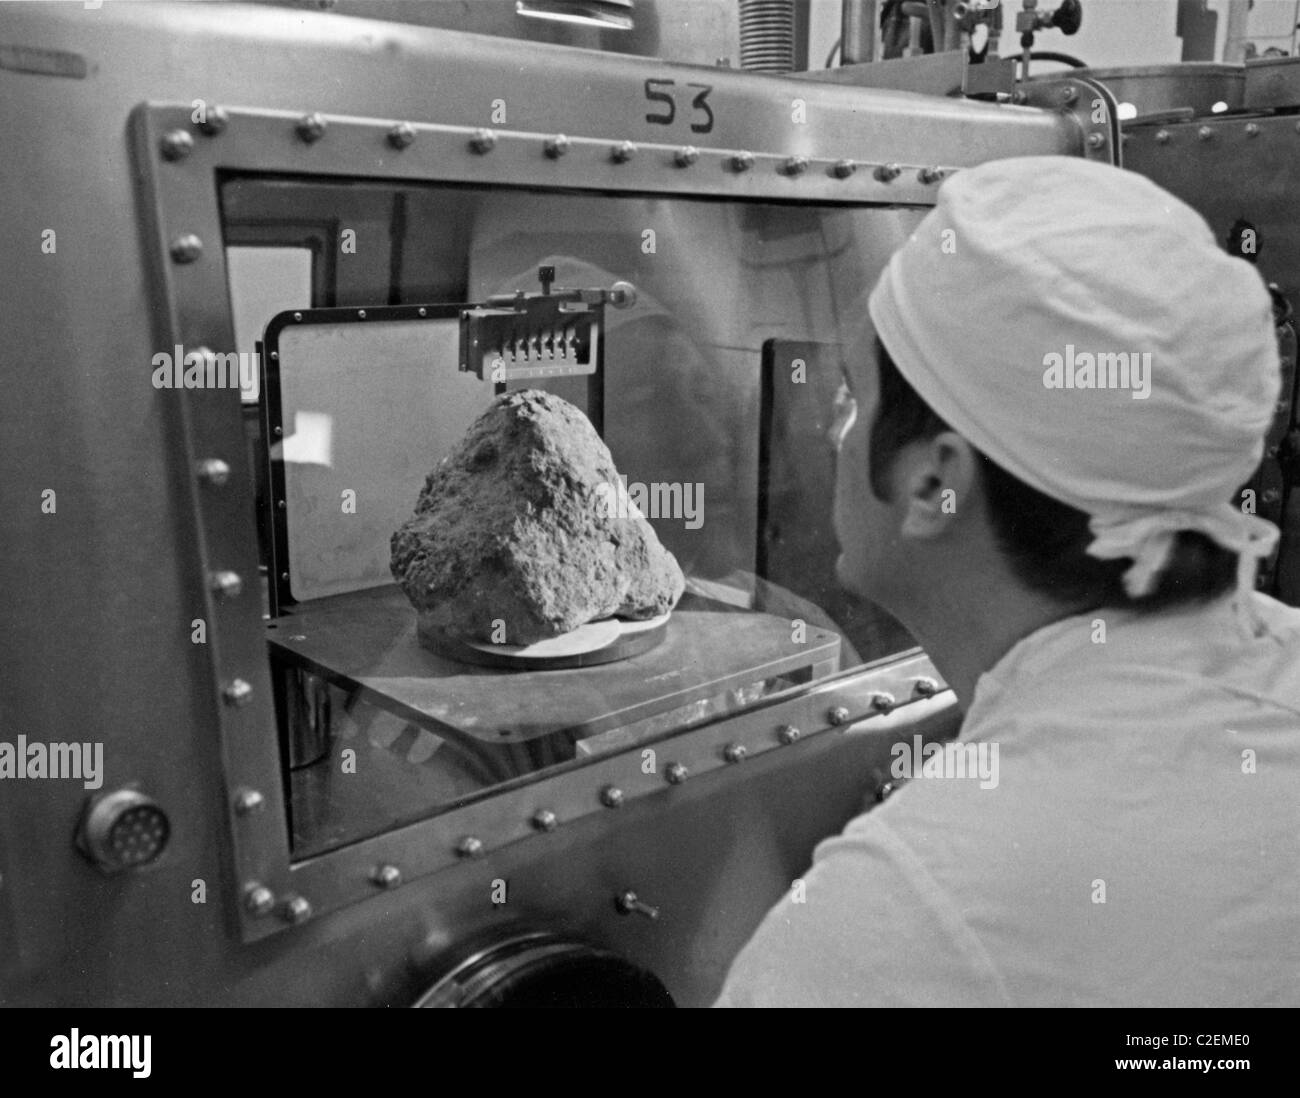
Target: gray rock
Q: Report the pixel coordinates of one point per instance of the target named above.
(516, 526)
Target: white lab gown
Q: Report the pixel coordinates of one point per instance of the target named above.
(1141, 846)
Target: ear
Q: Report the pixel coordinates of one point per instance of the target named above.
(940, 486)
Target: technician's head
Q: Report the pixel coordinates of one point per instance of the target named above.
(1072, 382)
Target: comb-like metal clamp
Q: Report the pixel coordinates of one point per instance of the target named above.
(521, 335)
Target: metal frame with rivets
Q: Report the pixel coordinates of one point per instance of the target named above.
(180, 161)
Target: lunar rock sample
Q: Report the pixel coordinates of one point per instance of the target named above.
(524, 532)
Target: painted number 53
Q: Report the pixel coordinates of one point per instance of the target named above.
(657, 91)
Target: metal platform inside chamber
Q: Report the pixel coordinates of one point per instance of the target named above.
(428, 733)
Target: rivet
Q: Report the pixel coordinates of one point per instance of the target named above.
(227, 584)
(884, 790)
(282, 504)
(838, 715)
(1252, 130)
(1162, 137)
(882, 701)
(423, 311)
(1096, 140)
(556, 146)
(402, 136)
(470, 847)
(213, 470)
(930, 175)
(686, 156)
(311, 127)
(611, 796)
(258, 899)
(275, 357)
(925, 687)
(186, 248)
(675, 773)
(386, 876)
(545, 820)
(742, 161)
(248, 801)
(176, 145)
(361, 314)
(483, 141)
(795, 165)
(1069, 94)
(787, 734)
(844, 168)
(734, 752)
(296, 910)
(887, 173)
(297, 316)
(622, 152)
(238, 693)
(1205, 133)
(215, 121)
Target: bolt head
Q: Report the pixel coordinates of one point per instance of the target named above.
(557, 146)
(546, 820)
(296, 910)
(887, 173)
(1205, 133)
(787, 734)
(734, 752)
(1162, 137)
(882, 702)
(1096, 140)
(622, 152)
(214, 471)
(258, 899)
(844, 168)
(470, 847)
(1069, 95)
(386, 876)
(238, 693)
(838, 715)
(884, 790)
(795, 165)
(483, 141)
(311, 128)
(227, 584)
(925, 687)
(215, 121)
(675, 773)
(248, 801)
(611, 796)
(930, 175)
(1252, 130)
(742, 162)
(402, 136)
(186, 248)
(176, 145)
(686, 156)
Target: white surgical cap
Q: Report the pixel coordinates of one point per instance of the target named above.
(1029, 260)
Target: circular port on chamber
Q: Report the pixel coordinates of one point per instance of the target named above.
(539, 969)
